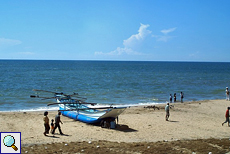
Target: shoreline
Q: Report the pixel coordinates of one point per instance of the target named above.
(188, 121)
(42, 109)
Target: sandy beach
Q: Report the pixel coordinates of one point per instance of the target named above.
(192, 127)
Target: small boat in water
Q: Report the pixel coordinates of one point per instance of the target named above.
(83, 111)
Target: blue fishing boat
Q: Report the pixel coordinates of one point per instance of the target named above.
(82, 111)
(87, 113)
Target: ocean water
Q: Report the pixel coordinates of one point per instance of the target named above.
(109, 82)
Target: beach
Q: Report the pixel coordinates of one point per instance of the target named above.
(192, 127)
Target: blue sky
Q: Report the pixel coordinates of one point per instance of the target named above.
(143, 30)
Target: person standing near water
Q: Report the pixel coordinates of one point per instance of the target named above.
(170, 98)
(174, 97)
(181, 97)
(227, 94)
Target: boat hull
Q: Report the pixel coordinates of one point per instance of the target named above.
(91, 115)
(79, 117)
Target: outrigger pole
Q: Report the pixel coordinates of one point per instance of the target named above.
(56, 93)
(87, 109)
(71, 103)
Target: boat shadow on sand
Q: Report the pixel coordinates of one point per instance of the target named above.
(124, 128)
(120, 127)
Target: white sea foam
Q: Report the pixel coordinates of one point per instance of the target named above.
(91, 106)
(123, 105)
(34, 109)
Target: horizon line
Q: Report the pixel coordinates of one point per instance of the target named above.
(115, 60)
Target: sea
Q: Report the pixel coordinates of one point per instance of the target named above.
(125, 83)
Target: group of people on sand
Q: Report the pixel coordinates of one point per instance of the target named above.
(174, 97)
(58, 119)
(170, 100)
(53, 125)
(182, 96)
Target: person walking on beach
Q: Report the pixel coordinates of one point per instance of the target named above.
(181, 97)
(227, 94)
(46, 123)
(57, 125)
(227, 117)
(167, 112)
(170, 98)
(174, 97)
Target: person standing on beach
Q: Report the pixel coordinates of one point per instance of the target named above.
(46, 123)
(52, 126)
(170, 98)
(174, 97)
(227, 94)
(167, 112)
(57, 125)
(181, 97)
(227, 117)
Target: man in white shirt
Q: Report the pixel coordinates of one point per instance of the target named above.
(167, 112)
(227, 94)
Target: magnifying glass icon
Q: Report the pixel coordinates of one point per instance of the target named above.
(9, 141)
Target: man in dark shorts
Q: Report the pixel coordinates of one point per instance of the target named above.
(170, 98)
(174, 97)
(57, 123)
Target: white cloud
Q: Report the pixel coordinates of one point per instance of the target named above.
(165, 37)
(166, 31)
(142, 33)
(162, 37)
(120, 51)
(9, 42)
(134, 42)
(130, 43)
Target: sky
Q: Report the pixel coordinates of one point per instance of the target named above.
(130, 30)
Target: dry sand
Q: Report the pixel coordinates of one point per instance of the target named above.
(192, 127)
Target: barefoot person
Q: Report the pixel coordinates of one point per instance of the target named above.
(167, 112)
(57, 125)
(46, 123)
